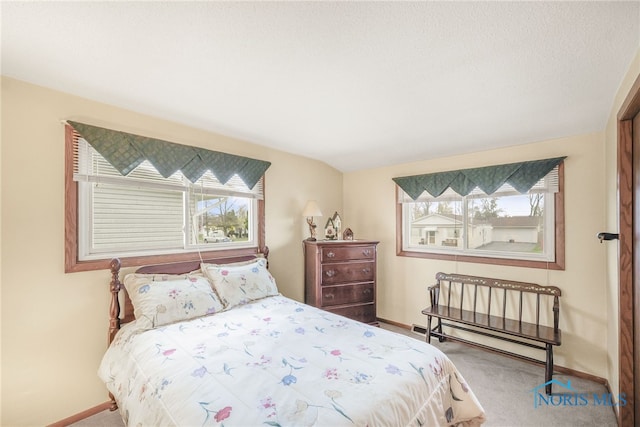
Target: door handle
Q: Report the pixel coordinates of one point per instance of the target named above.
(607, 236)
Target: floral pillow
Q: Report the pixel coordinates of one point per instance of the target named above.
(237, 284)
(162, 299)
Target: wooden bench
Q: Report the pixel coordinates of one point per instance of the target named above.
(502, 309)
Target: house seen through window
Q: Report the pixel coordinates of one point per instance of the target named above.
(491, 224)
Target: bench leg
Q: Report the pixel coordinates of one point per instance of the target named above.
(428, 329)
(548, 375)
(438, 328)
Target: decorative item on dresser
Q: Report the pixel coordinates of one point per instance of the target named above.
(337, 224)
(330, 230)
(347, 234)
(340, 277)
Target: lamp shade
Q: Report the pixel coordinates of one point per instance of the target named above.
(311, 209)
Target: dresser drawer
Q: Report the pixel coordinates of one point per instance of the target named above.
(347, 272)
(341, 253)
(363, 313)
(347, 294)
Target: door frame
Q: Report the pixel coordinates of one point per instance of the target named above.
(629, 290)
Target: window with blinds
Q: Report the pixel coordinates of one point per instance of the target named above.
(506, 224)
(144, 213)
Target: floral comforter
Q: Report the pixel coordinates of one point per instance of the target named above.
(277, 362)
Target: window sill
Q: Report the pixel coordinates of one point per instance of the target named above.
(547, 265)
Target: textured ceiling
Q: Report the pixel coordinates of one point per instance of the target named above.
(354, 84)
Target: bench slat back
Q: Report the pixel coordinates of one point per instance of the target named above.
(500, 283)
(515, 289)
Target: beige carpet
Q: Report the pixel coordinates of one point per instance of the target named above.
(503, 386)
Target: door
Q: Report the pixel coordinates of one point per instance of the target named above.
(635, 132)
(629, 255)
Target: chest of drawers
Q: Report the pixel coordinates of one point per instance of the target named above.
(340, 276)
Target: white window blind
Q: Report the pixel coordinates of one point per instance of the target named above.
(126, 217)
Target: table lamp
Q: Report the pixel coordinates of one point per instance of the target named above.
(311, 210)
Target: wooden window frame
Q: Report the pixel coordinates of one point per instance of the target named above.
(71, 262)
(558, 264)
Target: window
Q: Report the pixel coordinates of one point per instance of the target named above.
(146, 217)
(504, 226)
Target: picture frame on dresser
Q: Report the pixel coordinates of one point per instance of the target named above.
(340, 277)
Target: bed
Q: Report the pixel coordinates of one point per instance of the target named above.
(215, 343)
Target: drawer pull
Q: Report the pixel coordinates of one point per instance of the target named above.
(366, 270)
(366, 252)
(330, 254)
(366, 291)
(330, 273)
(329, 296)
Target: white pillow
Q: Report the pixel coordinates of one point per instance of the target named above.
(162, 299)
(237, 284)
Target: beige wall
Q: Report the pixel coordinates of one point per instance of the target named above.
(54, 325)
(370, 209)
(612, 218)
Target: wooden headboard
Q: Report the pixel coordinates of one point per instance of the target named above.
(181, 267)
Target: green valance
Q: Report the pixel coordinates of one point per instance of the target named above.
(522, 176)
(125, 152)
